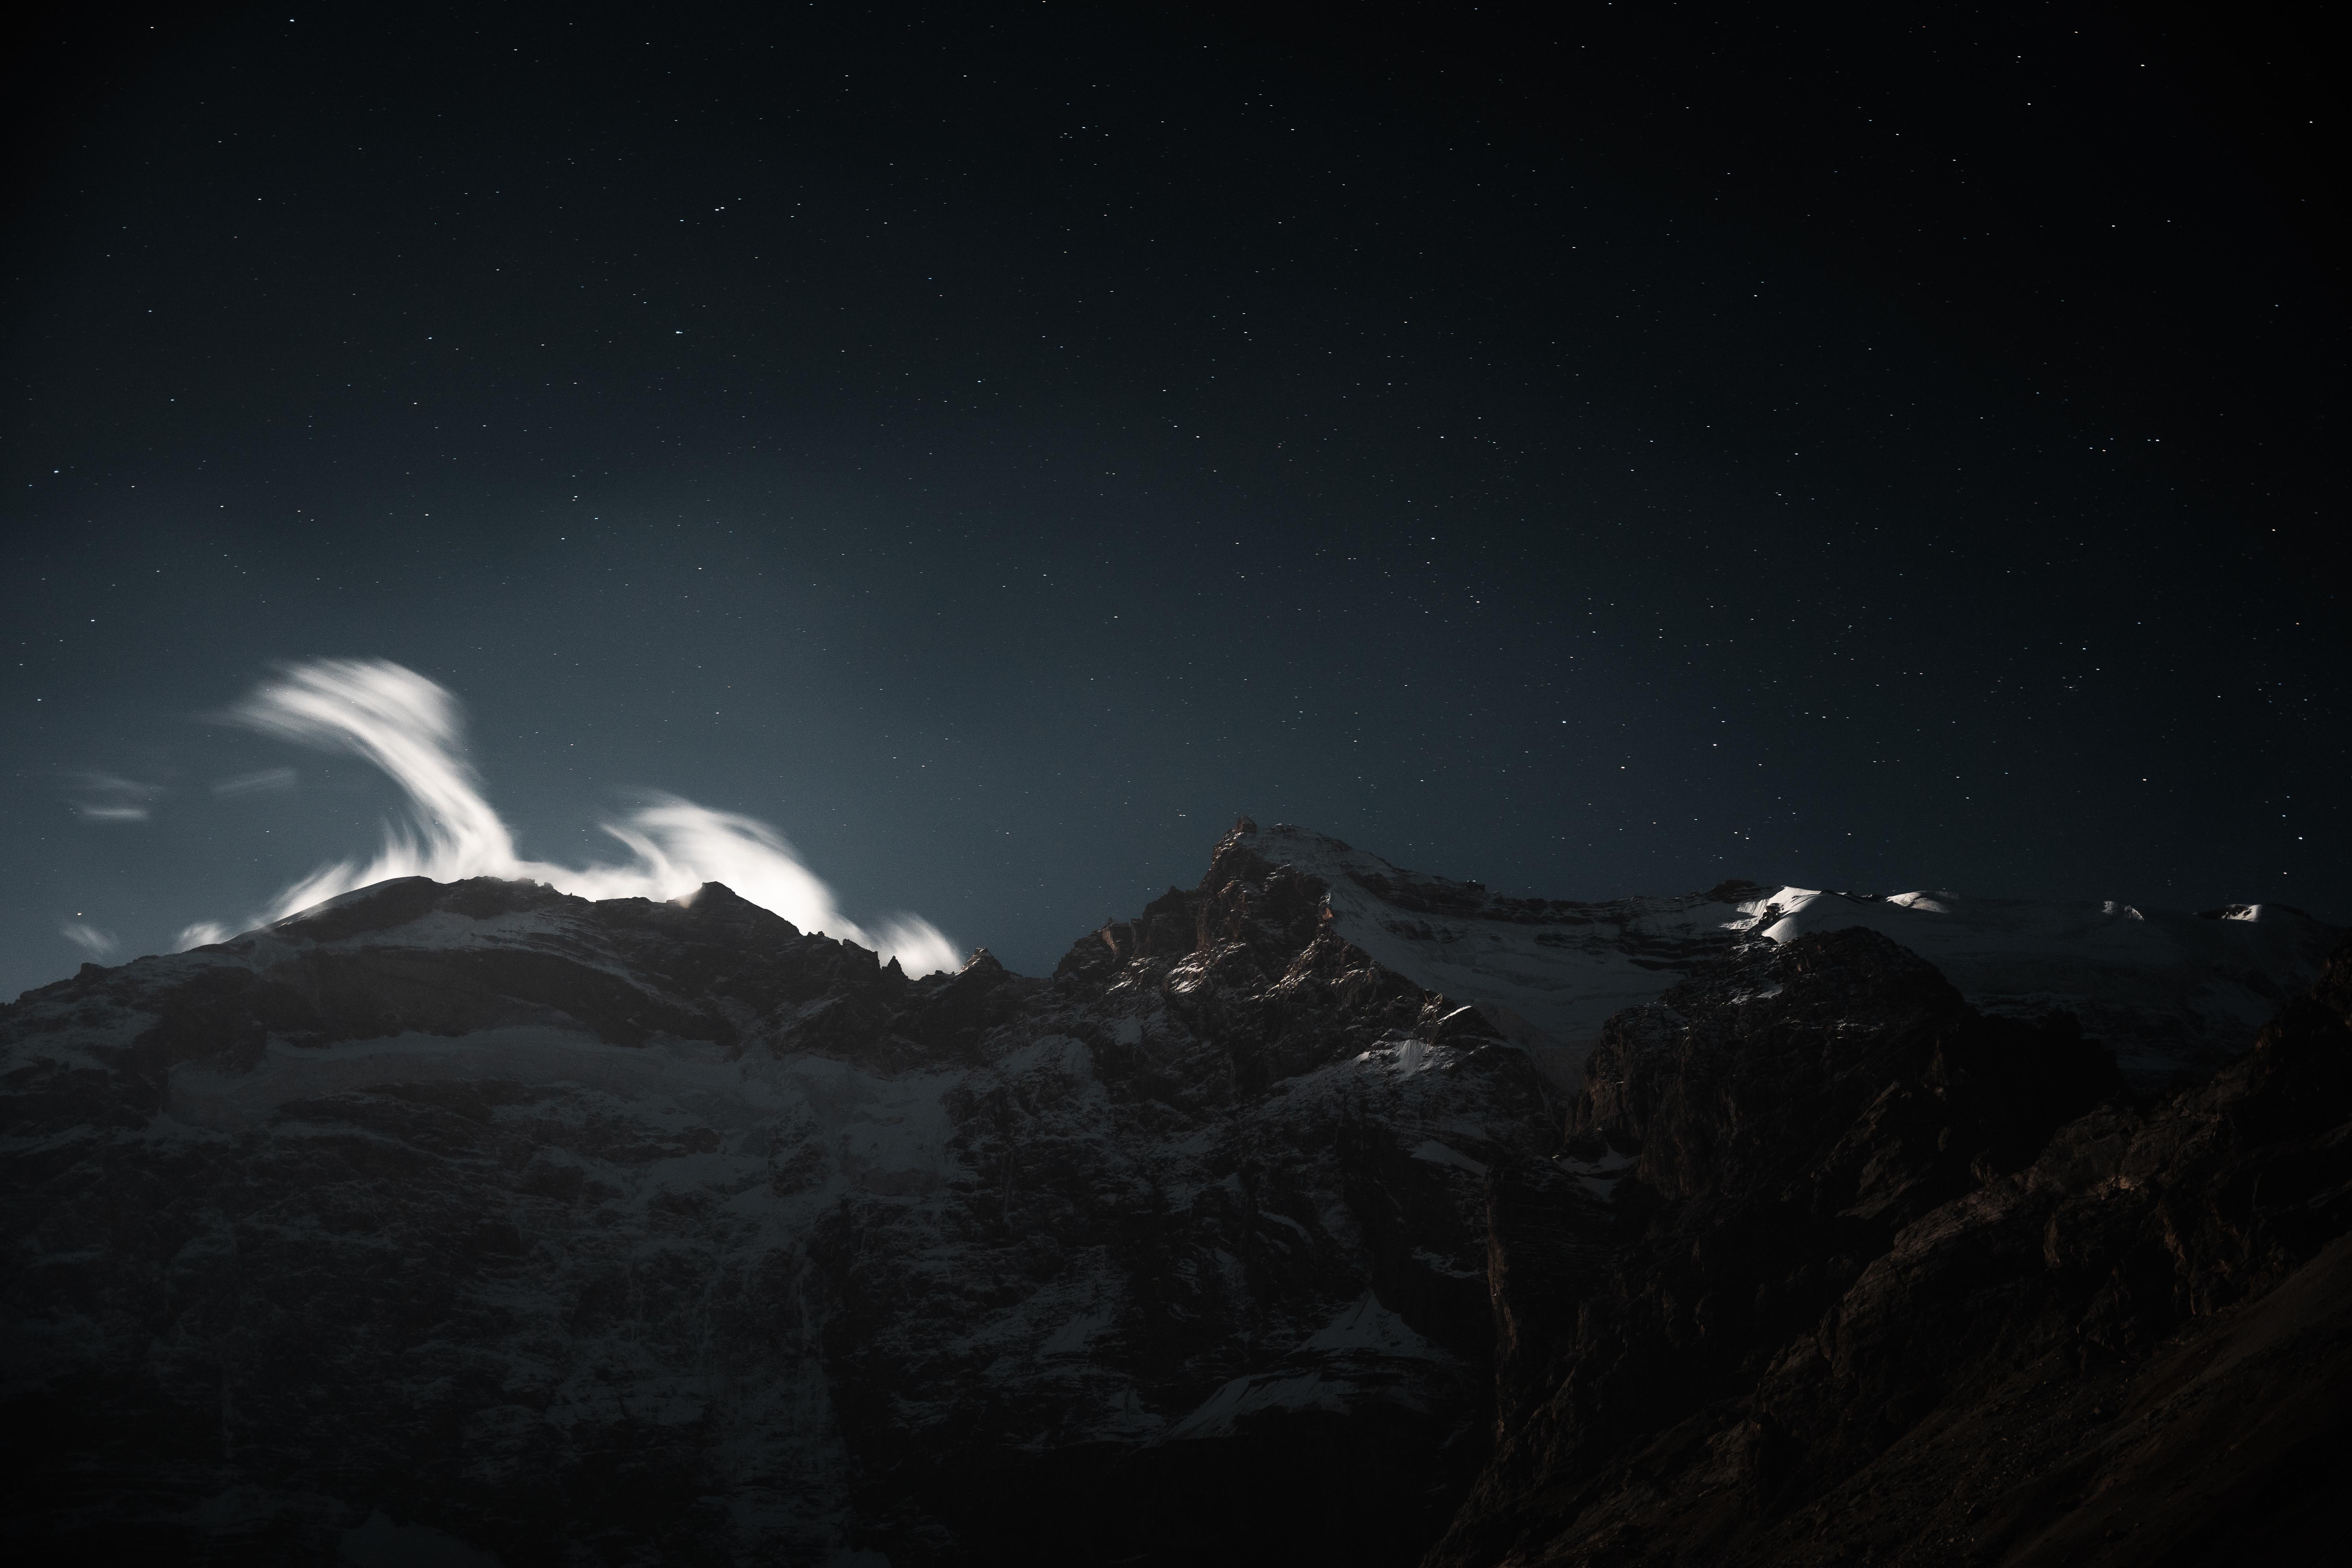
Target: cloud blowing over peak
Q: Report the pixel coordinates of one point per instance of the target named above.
(412, 729)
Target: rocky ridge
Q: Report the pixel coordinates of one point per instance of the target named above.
(1835, 1268)
(475, 1223)
(2168, 992)
(628, 1231)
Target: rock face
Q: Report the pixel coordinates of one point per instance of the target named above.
(474, 1223)
(2173, 995)
(1834, 1268)
(2168, 992)
(483, 1219)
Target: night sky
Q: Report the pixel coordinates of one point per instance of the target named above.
(1597, 454)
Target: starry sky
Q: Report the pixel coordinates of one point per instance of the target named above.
(996, 445)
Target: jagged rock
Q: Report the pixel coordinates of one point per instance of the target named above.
(2170, 993)
(631, 1232)
(451, 1220)
(1826, 1274)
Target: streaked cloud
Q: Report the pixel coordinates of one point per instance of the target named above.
(268, 780)
(99, 945)
(204, 933)
(105, 797)
(414, 730)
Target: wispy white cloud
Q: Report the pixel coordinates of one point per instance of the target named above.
(268, 780)
(204, 933)
(103, 797)
(90, 939)
(414, 730)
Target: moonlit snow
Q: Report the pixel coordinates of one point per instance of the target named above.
(2165, 989)
(414, 730)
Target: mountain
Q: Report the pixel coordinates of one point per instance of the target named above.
(630, 1232)
(1285, 1222)
(2168, 993)
(1834, 1268)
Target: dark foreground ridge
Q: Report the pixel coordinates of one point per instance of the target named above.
(1835, 1271)
(446, 1222)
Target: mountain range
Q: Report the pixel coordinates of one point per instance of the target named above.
(1322, 1212)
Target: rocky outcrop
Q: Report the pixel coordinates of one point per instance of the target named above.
(483, 1219)
(1546, 972)
(473, 1221)
(1835, 1270)
(2170, 994)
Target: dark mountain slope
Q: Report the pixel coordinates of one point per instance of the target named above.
(1811, 1287)
(494, 1219)
(449, 1221)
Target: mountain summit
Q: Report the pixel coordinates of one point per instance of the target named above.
(2168, 993)
(1288, 1221)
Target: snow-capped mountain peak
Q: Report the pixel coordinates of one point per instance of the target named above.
(2167, 990)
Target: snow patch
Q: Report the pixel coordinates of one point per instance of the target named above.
(1366, 1325)
(2165, 989)
(1598, 1176)
(1438, 1154)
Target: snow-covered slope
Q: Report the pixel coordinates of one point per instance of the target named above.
(1549, 972)
(628, 1231)
(2167, 990)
